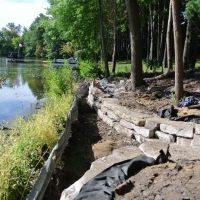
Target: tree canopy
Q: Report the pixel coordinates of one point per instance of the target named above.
(101, 31)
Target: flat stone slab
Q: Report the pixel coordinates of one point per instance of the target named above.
(183, 141)
(105, 118)
(110, 114)
(178, 152)
(125, 113)
(196, 141)
(98, 166)
(197, 129)
(165, 137)
(178, 128)
(123, 130)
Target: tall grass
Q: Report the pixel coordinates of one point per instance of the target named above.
(25, 148)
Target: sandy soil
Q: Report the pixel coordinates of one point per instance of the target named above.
(92, 138)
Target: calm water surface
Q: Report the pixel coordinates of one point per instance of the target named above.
(22, 91)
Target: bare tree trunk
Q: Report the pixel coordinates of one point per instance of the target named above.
(103, 42)
(114, 36)
(168, 38)
(164, 64)
(178, 49)
(158, 33)
(167, 59)
(152, 37)
(162, 37)
(135, 37)
(186, 51)
(149, 35)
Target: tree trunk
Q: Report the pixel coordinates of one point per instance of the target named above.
(194, 43)
(168, 38)
(178, 49)
(135, 38)
(148, 36)
(158, 33)
(162, 37)
(114, 36)
(186, 51)
(164, 63)
(152, 37)
(103, 42)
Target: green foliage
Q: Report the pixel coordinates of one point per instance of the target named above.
(91, 70)
(151, 63)
(34, 43)
(192, 8)
(25, 148)
(123, 69)
(9, 38)
(59, 81)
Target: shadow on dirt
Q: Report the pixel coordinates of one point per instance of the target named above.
(78, 155)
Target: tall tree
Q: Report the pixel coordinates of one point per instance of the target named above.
(103, 41)
(187, 50)
(178, 49)
(114, 54)
(135, 38)
(168, 39)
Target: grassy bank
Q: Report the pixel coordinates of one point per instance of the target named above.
(25, 148)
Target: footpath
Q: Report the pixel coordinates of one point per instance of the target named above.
(180, 176)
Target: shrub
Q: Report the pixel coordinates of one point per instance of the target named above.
(91, 70)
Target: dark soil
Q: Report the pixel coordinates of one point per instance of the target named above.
(91, 138)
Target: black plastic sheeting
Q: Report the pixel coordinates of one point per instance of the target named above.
(171, 114)
(102, 185)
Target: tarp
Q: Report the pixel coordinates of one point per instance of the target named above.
(171, 114)
(102, 185)
(188, 101)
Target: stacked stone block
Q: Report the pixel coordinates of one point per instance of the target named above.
(140, 126)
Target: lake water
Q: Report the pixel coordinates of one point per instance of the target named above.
(22, 91)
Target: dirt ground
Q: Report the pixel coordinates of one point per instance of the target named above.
(92, 138)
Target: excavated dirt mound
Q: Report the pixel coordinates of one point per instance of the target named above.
(159, 95)
(92, 138)
(165, 181)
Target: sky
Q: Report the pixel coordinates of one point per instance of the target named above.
(21, 12)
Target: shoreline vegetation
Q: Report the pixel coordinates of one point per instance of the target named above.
(25, 148)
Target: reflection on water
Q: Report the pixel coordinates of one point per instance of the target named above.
(22, 89)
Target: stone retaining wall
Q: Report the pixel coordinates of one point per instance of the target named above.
(139, 126)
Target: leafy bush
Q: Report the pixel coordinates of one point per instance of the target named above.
(91, 70)
(59, 81)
